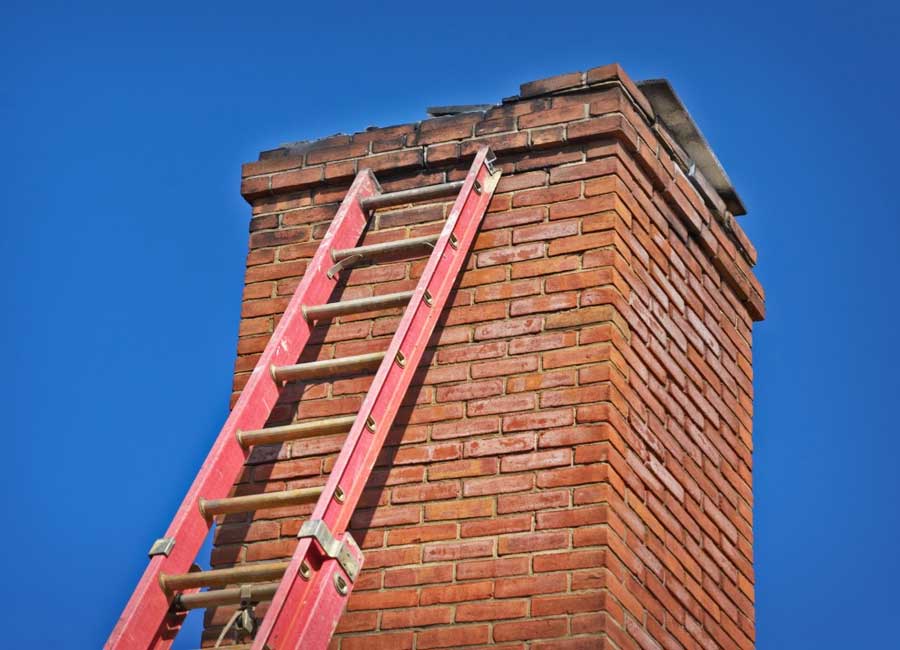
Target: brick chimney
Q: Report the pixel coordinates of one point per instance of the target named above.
(573, 466)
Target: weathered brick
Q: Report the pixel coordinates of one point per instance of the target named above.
(505, 404)
(544, 232)
(514, 254)
(459, 509)
(395, 641)
(539, 304)
(544, 419)
(530, 586)
(530, 542)
(452, 637)
(419, 617)
(508, 328)
(550, 84)
(463, 468)
(419, 575)
(546, 195)
(552, 116)
(457, 593)
(469, 390)
(491, 610)
(503, 367)
(536, 460)
(528, 630)
(441, 552)
(496, 446)
(536, 501)
(383, 600)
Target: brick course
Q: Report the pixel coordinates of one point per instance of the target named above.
(572, 467)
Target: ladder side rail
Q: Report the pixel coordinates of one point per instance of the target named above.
(143, 624)
(303, 608)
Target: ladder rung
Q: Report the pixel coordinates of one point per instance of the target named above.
(250, 502)
(222, 577)
(328, 367)
(408, 196)
(376, 250)
(324, 427)
(305, 607)
(372, 303)
(232, 596)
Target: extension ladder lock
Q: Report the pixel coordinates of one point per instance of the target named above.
(308, 593)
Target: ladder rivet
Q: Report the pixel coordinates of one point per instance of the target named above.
(339, 495)
(400, 359)
(340, 584)
(304, 570)
(477, 187)
(427, 298)
(370, 424)
(454, 242)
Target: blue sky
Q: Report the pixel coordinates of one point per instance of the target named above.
(124, 238)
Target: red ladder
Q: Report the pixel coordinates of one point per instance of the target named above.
(315, 584)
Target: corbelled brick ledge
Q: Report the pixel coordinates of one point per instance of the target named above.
(528, 132)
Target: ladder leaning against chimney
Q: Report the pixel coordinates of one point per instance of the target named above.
(314, 585)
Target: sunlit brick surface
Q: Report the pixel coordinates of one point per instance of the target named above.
(573, 466)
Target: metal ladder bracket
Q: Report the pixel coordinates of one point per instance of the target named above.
(162, 546)
(345, 551)
(489, 161)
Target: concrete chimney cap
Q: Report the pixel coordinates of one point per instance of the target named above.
(671, 111)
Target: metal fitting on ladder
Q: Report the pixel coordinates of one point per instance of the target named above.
(332, 547)
(162, 546)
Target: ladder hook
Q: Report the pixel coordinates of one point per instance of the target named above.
(343, 264)
(243, 619)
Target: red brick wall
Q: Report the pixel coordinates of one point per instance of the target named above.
(573, 467)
